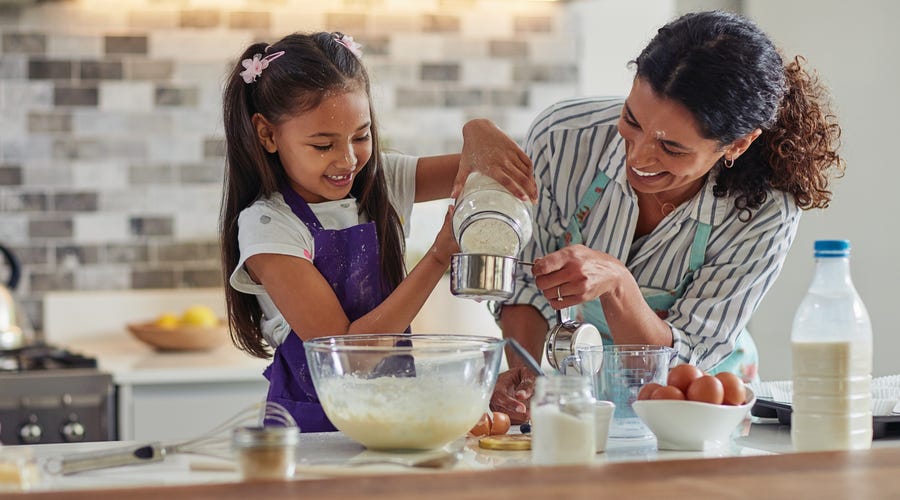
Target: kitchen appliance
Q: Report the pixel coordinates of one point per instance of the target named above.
(15, 329)
(53, 395)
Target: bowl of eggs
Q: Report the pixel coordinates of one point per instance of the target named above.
(694, 410)
(402, 391)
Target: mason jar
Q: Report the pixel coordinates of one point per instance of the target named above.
(562, 420)
(266, 452)
(488, 219)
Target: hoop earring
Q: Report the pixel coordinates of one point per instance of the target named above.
(728, 163)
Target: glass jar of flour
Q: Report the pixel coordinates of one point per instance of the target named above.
(489, 220)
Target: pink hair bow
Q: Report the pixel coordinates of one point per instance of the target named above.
(347, 41)
(254, 67)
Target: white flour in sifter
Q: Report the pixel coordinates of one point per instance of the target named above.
(415, 413)
(491, 236)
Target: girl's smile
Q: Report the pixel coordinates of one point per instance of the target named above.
(322, 149)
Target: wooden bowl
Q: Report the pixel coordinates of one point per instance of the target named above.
(180, 338)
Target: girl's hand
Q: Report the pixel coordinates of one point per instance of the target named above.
(445, 242)
(577, 274)
(488, 150)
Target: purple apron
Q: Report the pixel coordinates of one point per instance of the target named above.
(349, 260)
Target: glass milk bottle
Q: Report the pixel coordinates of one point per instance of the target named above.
(831, 344)
(489, 219)
(562, 420)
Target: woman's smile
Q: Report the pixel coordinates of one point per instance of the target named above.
(641, 173)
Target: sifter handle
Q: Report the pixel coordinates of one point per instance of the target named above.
(525, 355)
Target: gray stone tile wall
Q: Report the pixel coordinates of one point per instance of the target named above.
(111, 142)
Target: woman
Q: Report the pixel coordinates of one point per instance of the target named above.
(667, 215)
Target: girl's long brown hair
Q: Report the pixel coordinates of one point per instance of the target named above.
(312, 66)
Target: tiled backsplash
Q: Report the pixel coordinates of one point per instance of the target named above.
(111, 143)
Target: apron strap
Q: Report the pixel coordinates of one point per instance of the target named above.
(573, 235)
(698, 248)
(301, 208)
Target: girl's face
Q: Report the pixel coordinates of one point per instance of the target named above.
(664, 150)
(322, 149)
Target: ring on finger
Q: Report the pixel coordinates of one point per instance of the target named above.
(558, 294)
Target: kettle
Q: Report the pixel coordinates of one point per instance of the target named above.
(15, 330)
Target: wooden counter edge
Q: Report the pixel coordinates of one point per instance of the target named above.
(858, 475)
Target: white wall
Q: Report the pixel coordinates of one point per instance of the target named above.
(854, 46)
(611, 33)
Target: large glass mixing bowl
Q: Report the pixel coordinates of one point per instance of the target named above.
(404, 391)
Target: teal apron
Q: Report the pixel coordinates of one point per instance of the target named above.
(742, 361)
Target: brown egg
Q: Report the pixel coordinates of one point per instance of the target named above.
(647, 391)
(682, 375)
(483, 427)
(735, 392)
(706, 389)
(668, 392)
(499, 423)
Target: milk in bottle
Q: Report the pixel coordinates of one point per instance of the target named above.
(831, 346)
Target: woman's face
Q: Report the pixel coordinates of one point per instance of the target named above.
(664, 150)
(323, 149)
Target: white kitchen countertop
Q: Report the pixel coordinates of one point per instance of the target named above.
(132, 362)
(335, 448)
(95, 324)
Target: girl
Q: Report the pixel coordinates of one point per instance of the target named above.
(313, 213)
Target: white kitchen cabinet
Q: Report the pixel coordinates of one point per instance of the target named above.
(167, 412)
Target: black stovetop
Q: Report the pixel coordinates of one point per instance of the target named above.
(40, 356)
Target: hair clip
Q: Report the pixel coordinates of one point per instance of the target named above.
(347, 41)
(253, 67)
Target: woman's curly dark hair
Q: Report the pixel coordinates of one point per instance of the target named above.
(731, 77)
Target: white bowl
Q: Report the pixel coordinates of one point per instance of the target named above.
(689, 425)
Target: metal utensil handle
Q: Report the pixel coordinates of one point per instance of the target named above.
(564, 315)
(529, 360)
(140, 454)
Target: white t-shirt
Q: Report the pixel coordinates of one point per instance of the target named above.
(269, 226)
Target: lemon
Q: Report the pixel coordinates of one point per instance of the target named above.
(166, 320)
(199, 316)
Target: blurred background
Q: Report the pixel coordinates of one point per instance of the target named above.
(111, 143)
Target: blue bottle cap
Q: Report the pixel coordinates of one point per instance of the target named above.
(832, 248)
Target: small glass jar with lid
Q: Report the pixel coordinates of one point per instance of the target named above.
(562, 420)
(488, 219)
(268, 452)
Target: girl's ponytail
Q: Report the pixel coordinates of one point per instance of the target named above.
(244, 182)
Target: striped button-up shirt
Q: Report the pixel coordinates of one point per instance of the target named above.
(569, 143)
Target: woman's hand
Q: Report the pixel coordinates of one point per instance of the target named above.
(488, 150)
(577, 274)
(513, 392)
